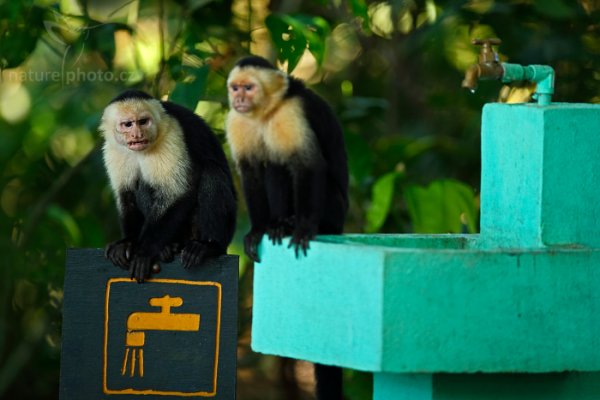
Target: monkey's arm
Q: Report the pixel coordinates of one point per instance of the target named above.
(131, 220)
(258, 208)
(157, 233)
(279, 185)
(216, 216)
(309, 197)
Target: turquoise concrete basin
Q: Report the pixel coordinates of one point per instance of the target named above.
(523, 296)
(411, 303)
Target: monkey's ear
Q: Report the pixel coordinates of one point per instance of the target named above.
(277, 82)
(108, 120)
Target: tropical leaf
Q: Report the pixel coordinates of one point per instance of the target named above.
(445, 206)
(381, 201)
(188, 92)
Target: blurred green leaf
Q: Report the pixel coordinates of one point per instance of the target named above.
(381, 201)
(360, 9)
(555, 8)
(316, 30)
(359, 107)
(292, 35)
(289, 42)
(20, 28)
(358, 385)
(445, 206)
(66, 221)
(100, 38)
(360, 162)
(190, 91)
(195, 4)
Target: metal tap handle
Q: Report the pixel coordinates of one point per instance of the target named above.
(487, 53)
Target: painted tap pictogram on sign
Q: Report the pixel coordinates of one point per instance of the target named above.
(167, 349)
(164, 320)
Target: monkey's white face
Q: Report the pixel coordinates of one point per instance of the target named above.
(136, 131)
(254, 91)
(132, 123)
(243, 95)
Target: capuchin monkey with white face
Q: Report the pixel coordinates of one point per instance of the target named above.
(289, 149)
(171, 181)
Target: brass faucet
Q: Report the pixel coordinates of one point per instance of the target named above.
(489, 66)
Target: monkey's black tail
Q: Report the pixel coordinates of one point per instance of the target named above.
(329, 382)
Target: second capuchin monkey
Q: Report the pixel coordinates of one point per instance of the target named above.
(171, 181)
(289, 149)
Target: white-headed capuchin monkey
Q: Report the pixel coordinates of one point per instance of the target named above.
(171, 181)
(289, 149)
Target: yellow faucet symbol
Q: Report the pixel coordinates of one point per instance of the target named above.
(165, 320)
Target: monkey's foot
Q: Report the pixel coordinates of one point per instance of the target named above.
(196, 252)
(251, 241)
(119, 252)
(278, 230)
(301, 237)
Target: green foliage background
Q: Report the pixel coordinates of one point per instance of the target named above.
(390, 69)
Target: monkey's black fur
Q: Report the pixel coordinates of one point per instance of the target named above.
(200, 222)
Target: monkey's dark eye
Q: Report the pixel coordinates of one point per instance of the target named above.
(249, 87)
(143, 121)
(234, 88)
(127, 124)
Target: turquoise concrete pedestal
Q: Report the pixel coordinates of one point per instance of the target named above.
(512, 313)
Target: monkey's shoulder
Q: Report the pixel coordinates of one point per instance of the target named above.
(288, 131)
(276, 136)
(200, 141)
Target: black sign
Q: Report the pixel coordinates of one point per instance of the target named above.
(173, 336)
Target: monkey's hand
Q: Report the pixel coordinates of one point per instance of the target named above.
(196, 252)
(279, 229)
(119, 252)
(305, 231)
(251, 241)
(140, 267)
(167, 254)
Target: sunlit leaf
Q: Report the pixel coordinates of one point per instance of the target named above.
(381, 201)
(315, 30)
(292, 35)
(290, 42)
(445, 206)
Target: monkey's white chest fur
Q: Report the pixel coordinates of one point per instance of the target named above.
(165, 165)
(277, 137)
